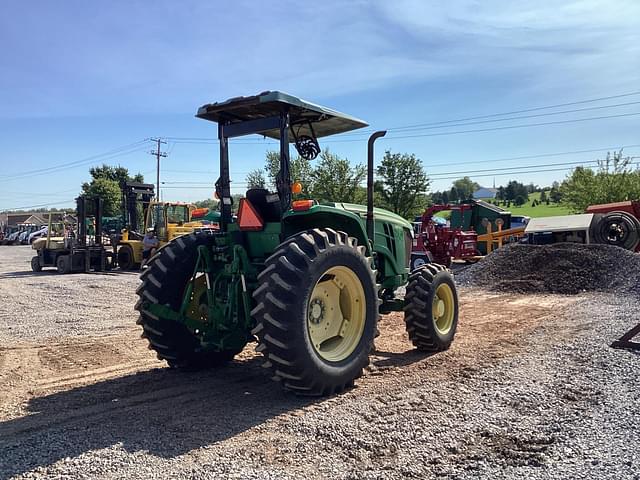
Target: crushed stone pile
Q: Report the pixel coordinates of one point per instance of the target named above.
(564, 268)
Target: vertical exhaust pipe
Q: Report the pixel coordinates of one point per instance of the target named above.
(372, 139)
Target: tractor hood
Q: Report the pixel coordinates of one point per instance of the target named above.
(379, 213)
(323, 120)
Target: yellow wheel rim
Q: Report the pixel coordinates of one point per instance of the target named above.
(336, 314)
(443, 308)
(197, 306)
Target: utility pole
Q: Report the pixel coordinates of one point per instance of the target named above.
(157, 153)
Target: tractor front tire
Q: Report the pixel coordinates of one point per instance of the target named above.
(316, 312)
(164, 283)
(431, 308)
(125, 258)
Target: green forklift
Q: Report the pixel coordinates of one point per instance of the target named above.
(307, 281)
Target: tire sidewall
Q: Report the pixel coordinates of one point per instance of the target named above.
(338, 255)
(440, 278)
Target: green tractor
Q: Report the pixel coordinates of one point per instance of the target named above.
(307, 280)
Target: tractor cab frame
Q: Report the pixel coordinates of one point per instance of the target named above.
(275, 115)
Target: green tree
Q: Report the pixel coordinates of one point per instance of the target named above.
(300, 170)
(437, 197)
(404, 184)
(614, 181)
(209, 203)
(454, 196)
(515, 189)
(105, 183)
(519, 201)
(465, 188)
(335, 180)
(555, 195)
(543, 196)
(256, 179)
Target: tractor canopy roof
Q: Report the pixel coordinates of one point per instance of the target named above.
(302, 114)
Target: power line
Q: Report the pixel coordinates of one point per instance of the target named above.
(76, 162)
(541, 155)
(465, 119)
(55, 169)
(520, 173)
(457, 132)
(513, 112)
(434, 126)
(37, 206)
(505, 127)
(491, 171)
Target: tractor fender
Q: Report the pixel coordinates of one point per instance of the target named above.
(322, 216)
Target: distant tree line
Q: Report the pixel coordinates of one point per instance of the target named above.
(614, 180)
(401, 184)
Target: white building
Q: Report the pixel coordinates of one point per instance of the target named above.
(483, 192)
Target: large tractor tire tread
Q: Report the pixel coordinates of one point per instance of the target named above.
(281, 283)
(418, 308)
(163, 282)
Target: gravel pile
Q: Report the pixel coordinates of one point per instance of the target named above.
(565, 268)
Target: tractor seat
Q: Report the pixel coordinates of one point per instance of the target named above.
(266, 204)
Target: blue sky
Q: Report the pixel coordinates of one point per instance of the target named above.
(84, 78)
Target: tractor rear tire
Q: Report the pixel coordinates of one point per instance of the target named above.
(125, 258)
(316, 312)
(164, 283)
(35, 264)
(431, 308)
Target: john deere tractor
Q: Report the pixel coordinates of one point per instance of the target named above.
(306, 280)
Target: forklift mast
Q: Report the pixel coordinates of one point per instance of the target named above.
(132, 194)
(82, 203)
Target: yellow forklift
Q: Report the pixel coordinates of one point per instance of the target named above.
(168, 220)
(80, 250)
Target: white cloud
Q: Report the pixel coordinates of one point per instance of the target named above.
(92, 59)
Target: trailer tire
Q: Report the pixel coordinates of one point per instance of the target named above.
(417, 260)
(431, 308)
(316, 312)
(169, 270)
(35, 264)
(617, 228)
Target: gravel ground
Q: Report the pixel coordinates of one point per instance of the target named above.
(566, 268)
(530, 389)
(46, 305)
